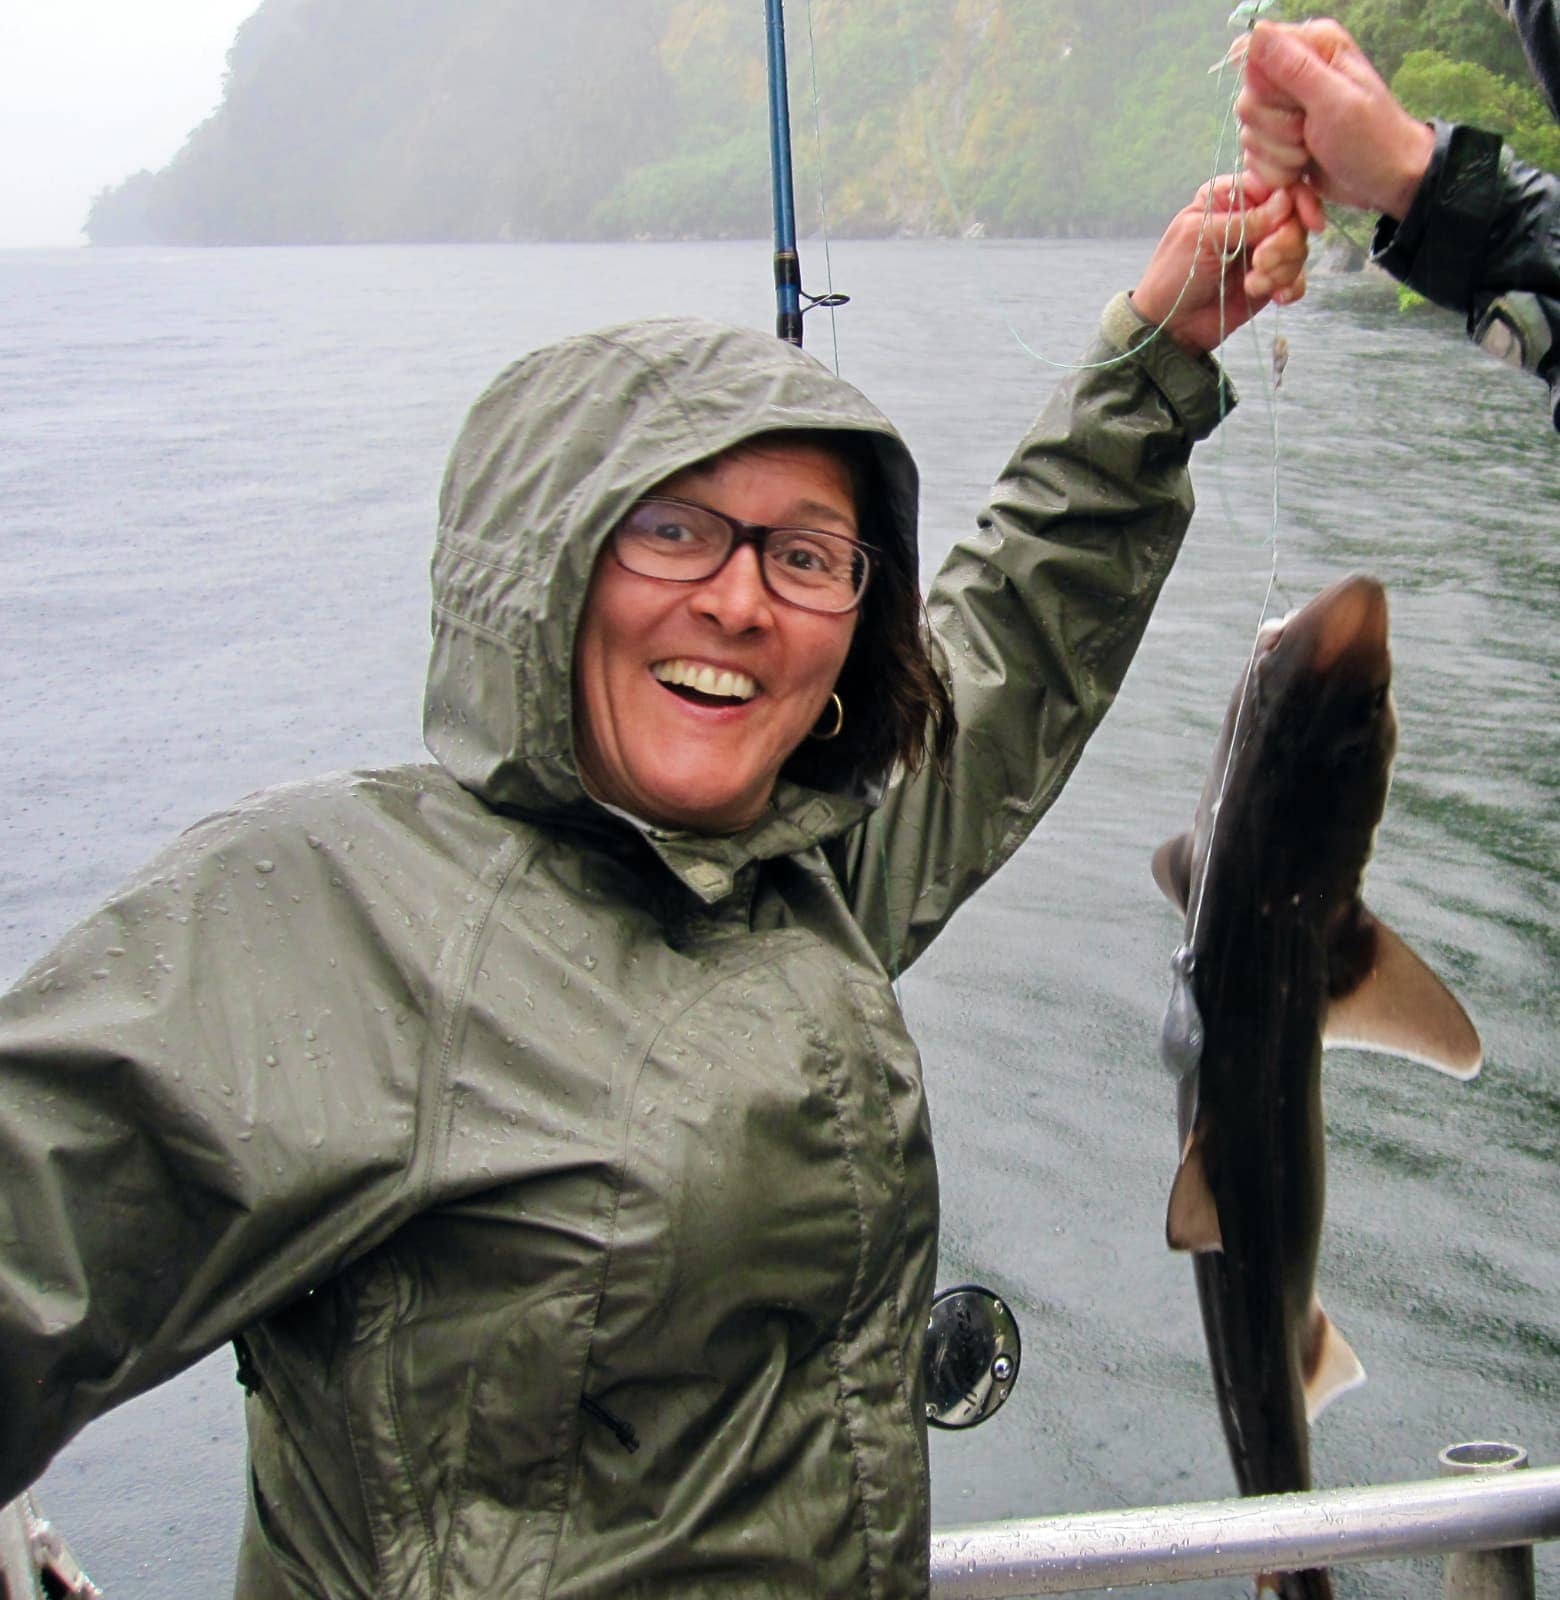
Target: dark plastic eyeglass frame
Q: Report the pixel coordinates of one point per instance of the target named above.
(756, 534)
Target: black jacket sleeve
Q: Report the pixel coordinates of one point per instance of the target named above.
(1483, 237)
(1538, 26)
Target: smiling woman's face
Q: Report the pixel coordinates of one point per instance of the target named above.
(646, 739)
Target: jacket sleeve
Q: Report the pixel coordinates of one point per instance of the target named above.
(1037, 616)
(1538, 27)
(198, 1120)
(1484, 227)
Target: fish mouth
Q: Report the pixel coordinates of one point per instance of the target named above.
(704, 685)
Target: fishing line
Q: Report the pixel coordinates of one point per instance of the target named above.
(968, 228)
(1244, 17)
(1232, 245)
(1248, 12)
(833, 301)
(830, 299)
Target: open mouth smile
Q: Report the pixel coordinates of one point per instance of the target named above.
(704, 685)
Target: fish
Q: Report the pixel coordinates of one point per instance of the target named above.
(1280, 957)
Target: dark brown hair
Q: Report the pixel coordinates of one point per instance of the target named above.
(897, 708)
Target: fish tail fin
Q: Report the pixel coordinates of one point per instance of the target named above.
(1328, 1367)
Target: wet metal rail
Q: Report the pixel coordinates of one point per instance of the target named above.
(1485, 1523)
(35, 1562)
(1488, 1513)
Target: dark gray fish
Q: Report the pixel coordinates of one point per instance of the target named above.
(1280, 958)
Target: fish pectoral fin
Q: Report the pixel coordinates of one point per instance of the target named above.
(1400, 1006)
(1192, 1222)
(1173, 869)
(1328, 1367)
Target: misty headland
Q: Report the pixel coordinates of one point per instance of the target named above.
(366, 121)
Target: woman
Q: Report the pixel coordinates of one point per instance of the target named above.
(541, 1123)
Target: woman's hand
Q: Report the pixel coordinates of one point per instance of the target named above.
(1237, 246)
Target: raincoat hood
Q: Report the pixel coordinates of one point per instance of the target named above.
(551, 456)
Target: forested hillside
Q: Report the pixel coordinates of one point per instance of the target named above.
(362, 120)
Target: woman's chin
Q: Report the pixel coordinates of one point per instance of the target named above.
(711, 813)
(674, 801)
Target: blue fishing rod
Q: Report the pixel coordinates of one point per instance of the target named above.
(789, 293)
(788, 266)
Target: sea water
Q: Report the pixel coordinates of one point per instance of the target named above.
(218, 474)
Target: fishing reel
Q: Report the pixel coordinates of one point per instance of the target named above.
(970, 1359)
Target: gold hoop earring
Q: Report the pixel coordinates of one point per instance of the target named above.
(839, 721)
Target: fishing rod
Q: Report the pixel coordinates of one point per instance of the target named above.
(789, 293)
(788, 266)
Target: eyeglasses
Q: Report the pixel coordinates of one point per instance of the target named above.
(685, 543)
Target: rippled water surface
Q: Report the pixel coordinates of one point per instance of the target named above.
(219, 472)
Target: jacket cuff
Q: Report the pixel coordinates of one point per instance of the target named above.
(1196, 386)
(1438, 247)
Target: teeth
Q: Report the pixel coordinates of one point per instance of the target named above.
(707, 680)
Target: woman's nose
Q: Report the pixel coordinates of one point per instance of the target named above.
(736, 597)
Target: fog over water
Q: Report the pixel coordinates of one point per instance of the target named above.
(219, 475)
(93, 90)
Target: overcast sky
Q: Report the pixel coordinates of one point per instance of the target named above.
(93, 90)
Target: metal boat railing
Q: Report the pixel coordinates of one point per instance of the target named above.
(1486, 1524)
(35, 1562)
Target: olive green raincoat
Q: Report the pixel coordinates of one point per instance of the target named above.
(568, 1180)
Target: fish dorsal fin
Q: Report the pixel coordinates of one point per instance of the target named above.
(1192, 1222)
(1173, 869)
(1328, 1367)
(1400, 1006)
